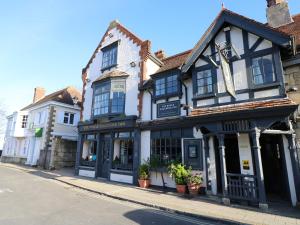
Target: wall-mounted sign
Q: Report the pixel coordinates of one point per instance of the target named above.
(38, 132)
(108, 125)
(246, 165)
(168, 109)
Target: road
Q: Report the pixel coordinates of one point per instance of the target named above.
(29, 199)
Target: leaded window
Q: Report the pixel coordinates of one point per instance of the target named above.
(166, 85)
(101, 99)
(166, 150)
(109, 57)
(160, 88)
(263, 70)
(204, 82)
(109, 98)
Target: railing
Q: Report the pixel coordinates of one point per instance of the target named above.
(242, 187)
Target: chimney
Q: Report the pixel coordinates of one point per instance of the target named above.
(160, 54)
(39, 93)
(278, 13)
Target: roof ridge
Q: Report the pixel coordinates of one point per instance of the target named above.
(178, 54)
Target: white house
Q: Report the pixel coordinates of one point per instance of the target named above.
(44, 133)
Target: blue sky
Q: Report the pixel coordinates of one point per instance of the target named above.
(47, 43)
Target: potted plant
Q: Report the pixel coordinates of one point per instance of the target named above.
(144, 175)
(194, 182)
(180, 174)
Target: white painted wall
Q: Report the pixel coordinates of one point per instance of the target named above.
(245, 153)
(127, 52)
(121, 178)
(212, 166)
(145, 145)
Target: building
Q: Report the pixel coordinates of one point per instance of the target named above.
(44, 133)
(224, 107)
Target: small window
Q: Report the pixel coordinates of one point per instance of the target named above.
(24, 121)
(101, 99)
(204, 82)
(263, 70)
(69, 118)
(167, 85)
(109, 57)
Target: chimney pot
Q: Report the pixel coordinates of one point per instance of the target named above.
(39, 93)
(160, 54)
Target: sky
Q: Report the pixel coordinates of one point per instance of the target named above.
(47, 43)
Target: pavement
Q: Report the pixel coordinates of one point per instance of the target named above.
(198, 207)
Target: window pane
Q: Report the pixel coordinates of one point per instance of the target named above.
(160, 87)
(263, 70)
(204, 82)
(101, 99)
(172, 84)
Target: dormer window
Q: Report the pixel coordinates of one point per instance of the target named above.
(167, 85)
(109, 57)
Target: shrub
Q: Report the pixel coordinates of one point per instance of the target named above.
(179, 173)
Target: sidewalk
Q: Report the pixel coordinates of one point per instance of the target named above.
(197, 207)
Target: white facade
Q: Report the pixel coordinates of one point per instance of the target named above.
(21, 142)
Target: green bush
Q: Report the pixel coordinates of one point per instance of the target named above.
(179, 173)
(194, 179)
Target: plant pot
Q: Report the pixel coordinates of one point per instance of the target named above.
(181, 188)
(144, 183)
(194, 189)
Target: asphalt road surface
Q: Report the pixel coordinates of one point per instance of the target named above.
(29, 199)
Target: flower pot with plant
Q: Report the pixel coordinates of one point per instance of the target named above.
(194, 182)
(144, 175)
(180, 174)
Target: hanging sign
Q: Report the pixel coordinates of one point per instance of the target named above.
(226, 73)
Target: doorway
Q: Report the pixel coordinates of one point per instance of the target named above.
(274, 168)
(104, 156)
(232, 156)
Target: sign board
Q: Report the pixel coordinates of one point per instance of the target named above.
(167, 109)
(108, 125)
(38, 132)
(246, 165)
(226, 74)
(118, 86)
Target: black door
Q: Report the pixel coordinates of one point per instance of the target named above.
(104, 157)
(273, 161)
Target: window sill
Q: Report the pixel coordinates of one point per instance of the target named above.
(265, 86)
(204, 96)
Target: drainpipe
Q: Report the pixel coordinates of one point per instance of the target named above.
(151, 107)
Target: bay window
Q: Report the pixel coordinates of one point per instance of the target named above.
(109, 98)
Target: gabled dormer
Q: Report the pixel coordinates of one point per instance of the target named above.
(236, 60)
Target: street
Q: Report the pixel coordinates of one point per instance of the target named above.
(29, 199)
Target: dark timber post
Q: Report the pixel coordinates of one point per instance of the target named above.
(98, 156)
(136, 154)
(207, 164)
(258, 168)
(223, 167)
(295, 164)
(78, 152)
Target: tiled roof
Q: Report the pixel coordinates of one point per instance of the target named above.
(174, 61)
(293, 29)
(274, 103)
(111, 74)
(63, 96)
